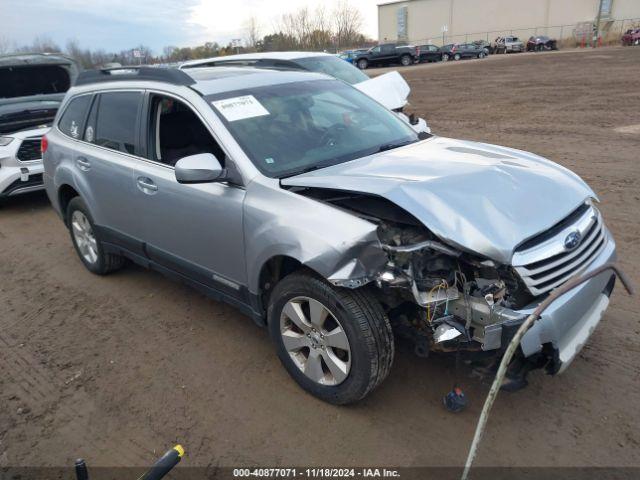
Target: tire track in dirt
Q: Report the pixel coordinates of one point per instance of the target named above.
(38, 390)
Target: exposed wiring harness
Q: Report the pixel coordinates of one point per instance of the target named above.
(431, 312)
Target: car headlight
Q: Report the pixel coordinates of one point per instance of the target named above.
(5, 141)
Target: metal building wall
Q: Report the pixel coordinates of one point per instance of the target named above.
(425, 18)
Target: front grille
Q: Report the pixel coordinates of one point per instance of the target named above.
(544, 262)
(29, 150)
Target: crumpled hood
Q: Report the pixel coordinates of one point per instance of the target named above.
(482, 198)
(389, 89)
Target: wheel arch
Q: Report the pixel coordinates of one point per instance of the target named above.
(65, 194)
(271, 272)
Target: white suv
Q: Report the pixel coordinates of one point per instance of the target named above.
(32, 87)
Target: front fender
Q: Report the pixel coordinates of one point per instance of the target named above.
(341, 247)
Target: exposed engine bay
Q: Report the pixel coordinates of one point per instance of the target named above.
(440, 297)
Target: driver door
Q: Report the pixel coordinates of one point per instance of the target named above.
(194, 230)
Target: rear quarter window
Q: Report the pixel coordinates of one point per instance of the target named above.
(72, 120)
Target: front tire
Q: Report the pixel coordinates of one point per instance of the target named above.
(363, 64)
(87, 244)
(336, 343)
(457, 57)
(445, 57)
(406, 60)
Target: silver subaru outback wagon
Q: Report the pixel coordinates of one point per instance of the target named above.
(327, 219)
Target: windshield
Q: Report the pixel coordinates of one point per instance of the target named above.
(295, 127)
(333, 66)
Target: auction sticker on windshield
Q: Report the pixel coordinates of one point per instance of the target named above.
(240, 108)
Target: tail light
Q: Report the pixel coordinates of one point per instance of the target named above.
(44, 144)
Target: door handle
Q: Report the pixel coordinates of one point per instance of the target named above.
(83, 164)
(146, 185)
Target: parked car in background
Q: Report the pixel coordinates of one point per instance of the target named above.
(459, 51)
(32, 87)
(387, 54)
(541, 43)
(429, 53)
(350, 55)
(508, 44)
(389, 89)
(486, 46)
(631, 37)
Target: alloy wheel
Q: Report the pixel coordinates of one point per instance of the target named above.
(315, 340)
(84, 237)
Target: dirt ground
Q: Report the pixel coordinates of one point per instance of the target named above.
(116, 369)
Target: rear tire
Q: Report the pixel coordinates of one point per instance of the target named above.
(363, 63)
(86, 242)
(366, 356)
(406, 60)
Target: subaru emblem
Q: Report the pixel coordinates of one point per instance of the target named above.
(572, 240)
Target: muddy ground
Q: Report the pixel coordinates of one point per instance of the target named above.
(116, 369)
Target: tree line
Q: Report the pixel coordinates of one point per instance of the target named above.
(319, 29)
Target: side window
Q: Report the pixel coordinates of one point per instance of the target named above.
(90, 128)
(117, 121)
(74, 115)
(375, 50)
(176, 132)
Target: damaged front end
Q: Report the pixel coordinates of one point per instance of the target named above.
(446, 298)
(441, 298)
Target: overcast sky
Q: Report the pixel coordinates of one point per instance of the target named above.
(118, 24)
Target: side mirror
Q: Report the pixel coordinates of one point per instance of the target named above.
(200, 168)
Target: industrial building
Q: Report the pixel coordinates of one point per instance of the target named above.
(452, 21)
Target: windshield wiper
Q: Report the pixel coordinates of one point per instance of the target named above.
(391, 146)
(304, 170)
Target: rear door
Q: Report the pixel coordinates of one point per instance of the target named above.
(194, 230)
(389, 53)
(104, 164)
(468, 50)
(434, 53)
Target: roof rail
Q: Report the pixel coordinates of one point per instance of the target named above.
(166, 75)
